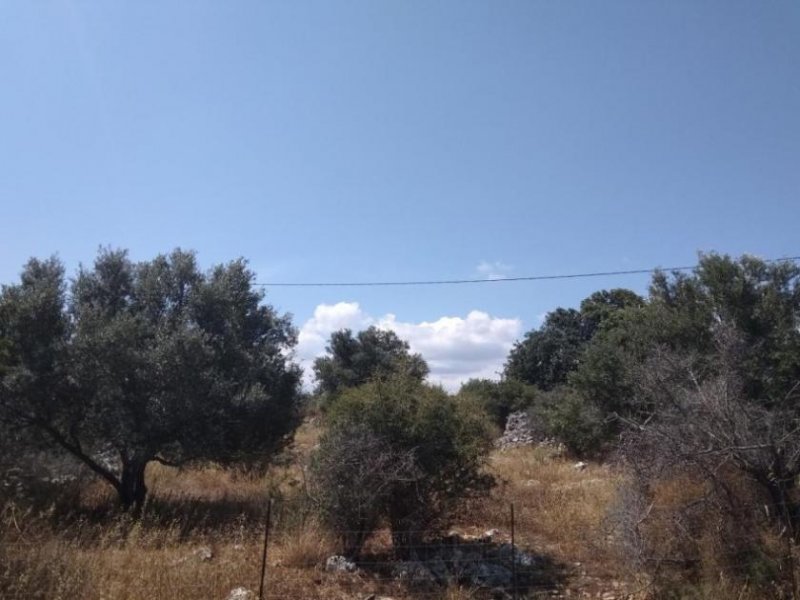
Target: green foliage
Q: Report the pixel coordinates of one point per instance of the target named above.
(352, 360)
(682, 315)
(152, 360)
(603, 307)
(499, 398)
(546, 356)
(436, 445)
(569, 418)
(761, 301)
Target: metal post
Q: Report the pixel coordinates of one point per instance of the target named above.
(264, 554)
(513, 557)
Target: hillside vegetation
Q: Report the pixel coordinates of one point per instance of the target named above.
(154, 431)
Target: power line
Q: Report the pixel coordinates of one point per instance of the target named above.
(497, 279)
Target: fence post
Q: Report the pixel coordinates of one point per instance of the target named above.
(513, 557)
(264, 553)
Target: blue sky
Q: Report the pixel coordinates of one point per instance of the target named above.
(403, 140)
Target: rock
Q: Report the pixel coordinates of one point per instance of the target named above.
(517, 432)
(204, 553)
(579, 466)
(339, 564)
(413, 571)
(241, 593)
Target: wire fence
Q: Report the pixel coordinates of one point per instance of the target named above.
(493, 564)
(486, 566)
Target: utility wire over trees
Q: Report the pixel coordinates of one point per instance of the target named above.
(151, 361)
(616, 273)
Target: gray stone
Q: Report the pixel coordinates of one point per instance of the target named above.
(339, 564)
(240, 593)
(517, 432)
(413, 571)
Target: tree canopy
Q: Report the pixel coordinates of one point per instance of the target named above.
(352, 360)
(149, 361)
(759, 300)
(590, 359)
(546, 356)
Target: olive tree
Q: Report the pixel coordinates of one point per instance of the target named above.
(353, 359)
(151, 361)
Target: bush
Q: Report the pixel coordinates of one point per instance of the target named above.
(716, 469)
(572, 420)
(399, 451)
(499, 398)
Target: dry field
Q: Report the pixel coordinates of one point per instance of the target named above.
(201, 533)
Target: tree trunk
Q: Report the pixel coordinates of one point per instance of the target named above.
(780, 486)
(407, 528)
(132, 489)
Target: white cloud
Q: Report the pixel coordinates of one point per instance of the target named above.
(493, 270)
(315, 332)
(456, 348)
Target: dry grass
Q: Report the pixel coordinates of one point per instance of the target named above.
(560, 511)
(80, 548)
(557, 506)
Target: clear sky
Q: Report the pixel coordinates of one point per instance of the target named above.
(403, 140)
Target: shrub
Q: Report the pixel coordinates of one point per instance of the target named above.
(499, 398)
(401, 451)
(716, 468)
(574, 421)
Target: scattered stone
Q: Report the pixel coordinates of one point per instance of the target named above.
(553, 447)
(413, 571)
(241, 593)
(339, 564)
